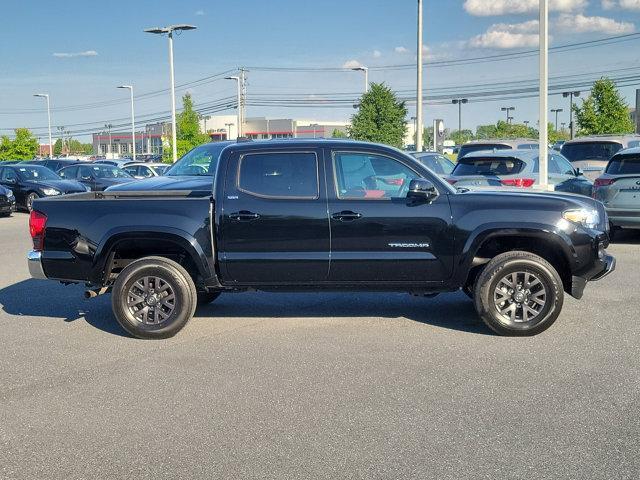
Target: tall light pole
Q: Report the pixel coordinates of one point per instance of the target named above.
(169, 32)
(228, 125)
(508, 110)
(419, 119)
(314, 125)
(46, 95)
(571, 95)
(133, 120)
(366, 76)
(557, 111)
(460, 102)
(239, 101)
(544, 93)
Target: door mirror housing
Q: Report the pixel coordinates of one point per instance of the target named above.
(422, 189)
(579, 173)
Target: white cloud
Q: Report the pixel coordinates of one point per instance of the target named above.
(86, 53)
(199, 13)
(401, 50)
(582, 24)
(624, 4)
(487, 8)
(508, 35)
(351, 64)
(377, 54)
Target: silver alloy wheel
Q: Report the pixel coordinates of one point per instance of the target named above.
(520, 297)
(151, 300)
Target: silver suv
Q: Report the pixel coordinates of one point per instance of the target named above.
(497, 144)
(591, 154)
(619, 189)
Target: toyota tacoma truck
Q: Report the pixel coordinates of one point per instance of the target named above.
(321, 215)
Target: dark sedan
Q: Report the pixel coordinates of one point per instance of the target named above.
(7, 201)
(96, 176)
(55, 164)
(30, 182)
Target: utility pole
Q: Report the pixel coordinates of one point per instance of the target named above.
(460, 102)
(133, 120)
(557, 111)
(46, 96)
(108, 127)
(571, 95)
(419, 119)
(228, 125)
(366, 76)
(544, 92)
(243, 99)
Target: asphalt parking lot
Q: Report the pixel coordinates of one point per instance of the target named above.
(316, 386)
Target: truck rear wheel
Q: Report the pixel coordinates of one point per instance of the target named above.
(518, 294)
(153, 298)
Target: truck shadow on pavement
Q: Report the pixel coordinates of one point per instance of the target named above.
(41, 299)
(627, 237)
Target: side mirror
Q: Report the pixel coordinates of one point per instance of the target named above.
(422, 189)
(12, 180)
(579, 173)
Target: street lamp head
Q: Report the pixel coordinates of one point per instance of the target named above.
(125, 86)
(360, 69)
(157, 30)
(44, 95)
(576, 94)
(170, 28)
(236, 78)
(455, 101)
(464, 100)
(182, 26)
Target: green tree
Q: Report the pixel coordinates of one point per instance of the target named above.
(57, 147)
(24, 146)
(604, 111)
(380, 117)
(188, 131)
(461, 136)
(337, 133)
(503, 129)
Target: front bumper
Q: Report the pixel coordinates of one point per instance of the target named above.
(34, 260)
(8, 207)
(601, 269)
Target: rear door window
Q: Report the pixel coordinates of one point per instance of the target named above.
(279, 175)
(624, 165)
(69, 173)
(488, 166)
(601, 151)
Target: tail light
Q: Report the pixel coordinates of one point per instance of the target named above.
(37, 225)
(451, 181)
(603, 182)
(518, 182)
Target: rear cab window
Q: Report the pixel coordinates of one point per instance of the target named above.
(601, 151)
(279, 175)
(624, 165)
(488, 166)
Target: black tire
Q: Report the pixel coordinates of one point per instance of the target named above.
(32, 197)
(204, 297)
(164, 316)
(493, 293)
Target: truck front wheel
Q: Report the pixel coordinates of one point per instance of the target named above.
(518, 294)
(153, 298)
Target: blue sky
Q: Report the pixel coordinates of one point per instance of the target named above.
(80, 51)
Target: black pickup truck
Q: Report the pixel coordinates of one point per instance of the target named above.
(312, 215)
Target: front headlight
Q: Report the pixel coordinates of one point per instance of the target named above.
(582, 216)
(50, 191)
(10, 194)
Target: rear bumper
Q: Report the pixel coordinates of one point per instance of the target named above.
(601, 269)
(34, 260)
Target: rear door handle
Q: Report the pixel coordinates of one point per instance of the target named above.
(244, 216)
(346, 216)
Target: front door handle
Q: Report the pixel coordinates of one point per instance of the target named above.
(244, 216)
(346, 216)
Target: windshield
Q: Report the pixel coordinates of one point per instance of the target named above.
(479, 147)
(576, 152)
(36, 173)
(488, 166)
(436, 163)
(201, 161)
(624, 165)
(106, 171)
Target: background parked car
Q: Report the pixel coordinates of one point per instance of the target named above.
(55, 164)
(592, 154)
(517, 168)
(30, 182)
(619, 189)
(488, 145)
(438, 164)
(96, 176)
(146, 170)
(7, 201)
(116, 162)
